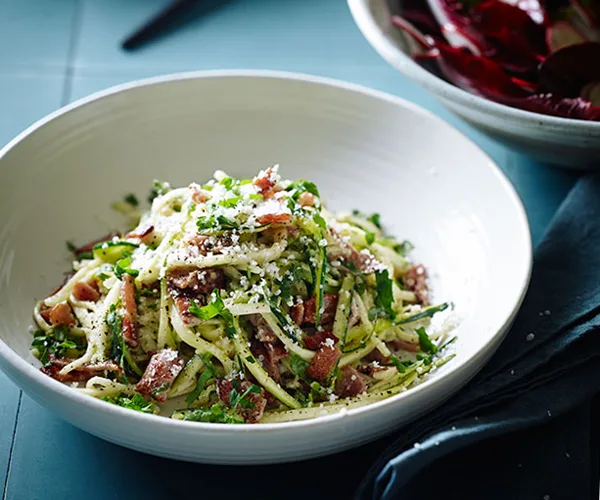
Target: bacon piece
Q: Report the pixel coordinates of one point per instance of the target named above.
(199, 195)
(307, 199)
(375, 355)
(130, 330)
(269, 354)
(205, 243)
(262, 331)
(183, 303)
(275, 218)
(363, 261)
(316, 340)
(350, 383)
(196, 281)
(266, 183)
(329, 306)
(258, 400)
(415, 280)
(323, 361)
(61, 314)
(145, 234)
(297, 313)
(163, 368)
(86, 291)
(88, 247)
(404, 345)
(81, 374)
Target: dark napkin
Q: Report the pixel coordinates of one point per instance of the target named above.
(524, 427)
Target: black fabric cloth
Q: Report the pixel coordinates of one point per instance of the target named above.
(525, 426)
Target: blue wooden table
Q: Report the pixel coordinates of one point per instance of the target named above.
(55, 51)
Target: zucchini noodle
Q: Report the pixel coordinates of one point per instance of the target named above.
(245, 301)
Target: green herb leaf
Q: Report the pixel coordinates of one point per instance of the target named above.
(384, 295)
(208, 373)
(158, 189)
(216, 414)
(370, 237)
(137, 403)
(55, 342)
(230, 202)
(123, 266)
(320, 221)
(401, 366)
(131, 199)
(375, 219)
(299, 366)
(425, 342)
(71, 246)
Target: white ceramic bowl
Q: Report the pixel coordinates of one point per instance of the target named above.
(364, 149)
(562, 141)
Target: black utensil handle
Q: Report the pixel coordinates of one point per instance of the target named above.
(158, 24)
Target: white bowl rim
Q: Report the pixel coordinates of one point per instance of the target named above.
(37, 377)
(372, 32)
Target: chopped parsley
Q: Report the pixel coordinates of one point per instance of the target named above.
(375, 219)
(401, 366)
(425, 342)
(370, 237)
(158, 189)
(216, 307)
(299, 366)
(55, 342)
(213, 224)
(123, 266)
(119, 351)
(137, 402)
(132, 200)
(384, 298)
(216, 414)
(241, 399)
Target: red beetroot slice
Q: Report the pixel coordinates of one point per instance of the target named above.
(567, 71)
(477, 74)
(548, 104)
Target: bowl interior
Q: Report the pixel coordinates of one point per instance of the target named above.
(364, 150)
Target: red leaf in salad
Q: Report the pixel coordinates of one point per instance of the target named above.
(567, 71)
(457, 27)
(519, 41)
(548, 104)
(479, 75)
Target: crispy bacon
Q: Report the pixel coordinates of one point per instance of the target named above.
(130, 330)
(316, 340)
(262, 331)
(404, 345)
(363, 261)
(257, 400)
(323, 362)
(415, 281)
(269, 354)
(163, 368)
(297, 313)
(205, 243)
(86, 291)
(266, 183)
(196, 281)
(327, 316)
(274, 218)
(375, 355)
(145, 234)
(80, 374)
(350, 383)
(60, 314)
(199, 195)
